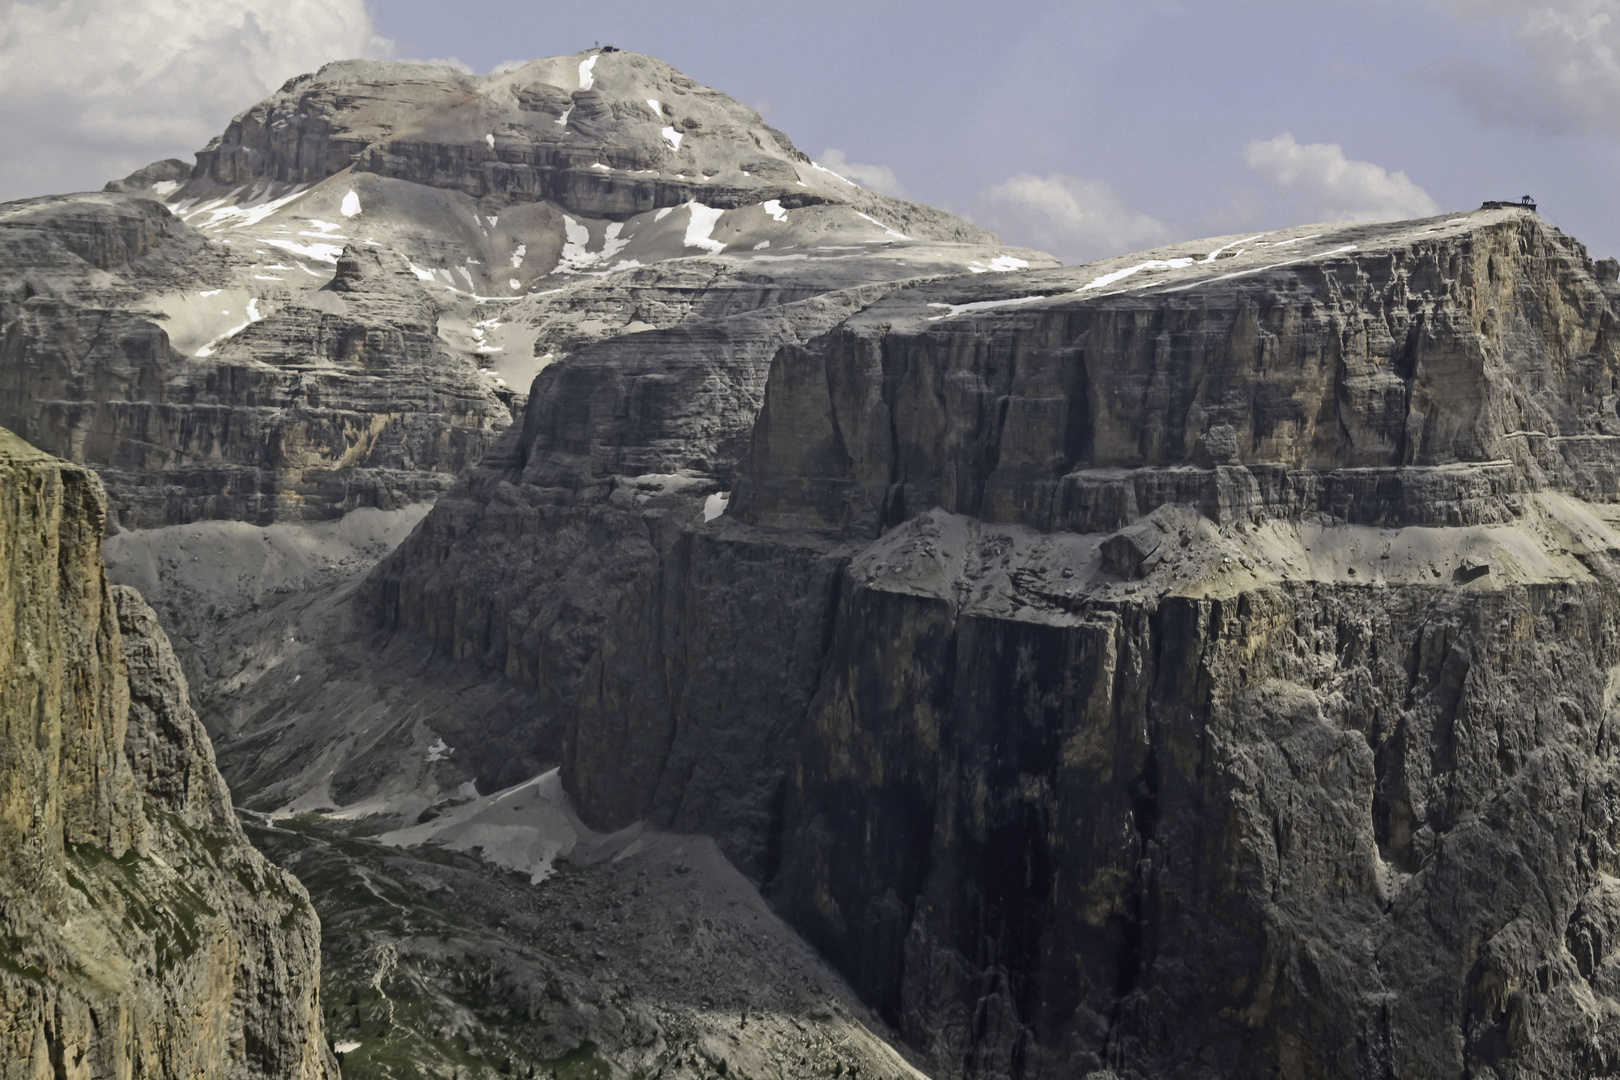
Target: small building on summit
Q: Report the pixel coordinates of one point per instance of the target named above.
(1526, 203)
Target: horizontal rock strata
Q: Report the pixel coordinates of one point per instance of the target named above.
(349, 296)
(1192, 664)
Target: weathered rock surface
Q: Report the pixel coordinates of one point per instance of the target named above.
(143, 935)
(1422, 373)
(348, 400)
(1200, 663)
(635, 953)
(603, 134)
(345, 300)
(1194, 664)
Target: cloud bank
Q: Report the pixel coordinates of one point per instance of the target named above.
(1324, 185)
(1072, 218)
(96, 88)
(1567, 79)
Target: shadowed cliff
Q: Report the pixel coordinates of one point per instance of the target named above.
(1196, 663)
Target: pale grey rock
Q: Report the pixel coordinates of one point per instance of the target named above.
(156, 179)
(1117, 693)
(350, 295)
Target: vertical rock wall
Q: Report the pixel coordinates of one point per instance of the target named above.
(140, 933)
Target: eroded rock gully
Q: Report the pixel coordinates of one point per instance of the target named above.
(142, 934)
(1167, 667)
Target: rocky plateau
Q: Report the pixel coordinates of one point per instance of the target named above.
(681, 614)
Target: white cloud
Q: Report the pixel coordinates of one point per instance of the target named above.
(1072, 218)
(1325, 185)
(879, 178)
(90, 89)
(1569, 77)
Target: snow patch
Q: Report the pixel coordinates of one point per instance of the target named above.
(211, 292)
(658, 110)
(438, 751)
(953, 310)
(762, 245)
(253, 316)
(424, 275)
(576, 236)
(1119, 275)
(327, 229)
(1263, 269)
(562, 121)
(875, 221)
(164, 188)
(612, 244)
(715, 505)
(576, 258)
(517, 255)
(319, 252)
(664, 213)
(829, 172)
(1212, 255)
(773, 207)
(673, 136)
(351, 204)
(702, 223)
(347, 1046)
(222, 212)
(586, 79)
(523, 828)
(491, 140)
(513, 283)
(1002, 264)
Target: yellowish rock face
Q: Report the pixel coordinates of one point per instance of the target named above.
(140, 928)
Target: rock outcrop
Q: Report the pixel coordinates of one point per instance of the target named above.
(143, 935)
(345, 399)
(347, 298)
(1194, 664)
(1198, 663)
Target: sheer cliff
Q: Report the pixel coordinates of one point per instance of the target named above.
(143, 935)
(343, 302)
(1198, 663)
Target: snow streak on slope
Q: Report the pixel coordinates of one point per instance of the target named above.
(701, 225)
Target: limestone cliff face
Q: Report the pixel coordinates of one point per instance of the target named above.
(143, 936)
(602, 134)
(1195, 664)
(349, 297)
(1412, 377)
(347, 399)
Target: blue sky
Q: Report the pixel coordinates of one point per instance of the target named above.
(1085, 128)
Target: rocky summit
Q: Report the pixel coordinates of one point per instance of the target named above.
(341, 304)
(681, 614)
